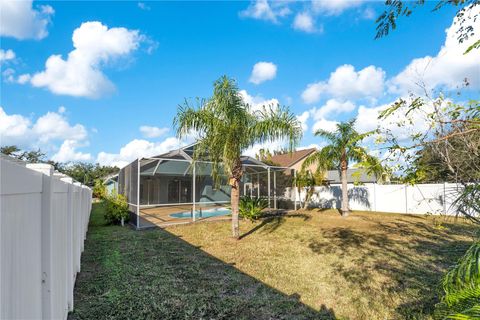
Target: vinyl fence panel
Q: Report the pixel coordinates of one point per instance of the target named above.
(397, 198)
(43, 224)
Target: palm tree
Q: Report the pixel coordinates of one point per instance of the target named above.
(227, 126)
(342, 149)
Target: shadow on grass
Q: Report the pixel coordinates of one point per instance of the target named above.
(411, 254)
(154, 274)
(272, 223)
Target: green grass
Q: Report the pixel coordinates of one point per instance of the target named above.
(311, 265)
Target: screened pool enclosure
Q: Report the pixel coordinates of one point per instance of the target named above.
(171, 188)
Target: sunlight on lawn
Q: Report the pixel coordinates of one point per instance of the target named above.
(308, 265)
(367, 266)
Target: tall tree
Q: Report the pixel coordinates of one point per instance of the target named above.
(388, 20)
(227, 126)
(10, 150)
(343, 148)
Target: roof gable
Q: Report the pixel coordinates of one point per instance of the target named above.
(289, 159)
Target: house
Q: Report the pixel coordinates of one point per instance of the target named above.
(172, 188)
(111, 183)
(294, 161)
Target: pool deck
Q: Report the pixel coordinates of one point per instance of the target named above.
(160, 216)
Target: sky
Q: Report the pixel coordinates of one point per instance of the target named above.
(101, 81)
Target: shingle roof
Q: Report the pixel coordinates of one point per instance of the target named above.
(289, 159)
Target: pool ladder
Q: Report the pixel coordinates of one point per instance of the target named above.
(191, 213)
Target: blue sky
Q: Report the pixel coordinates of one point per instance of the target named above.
(134, 62)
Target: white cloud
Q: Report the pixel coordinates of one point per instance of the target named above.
(324, 124)
(263, 10)
(312, 145)
(398, 124)
(138, 148)
(303, 120)
(271, 146)
(23, 78)
(81, 75)
(143, 6)
(263, 71)
(448, 68)
(334, 7)
(18, 19)
(153, 132)
(45, 133)
(6, 55)
(256, 103)
(332, 107)
(346, 83)
(369, 14)
(304, 22)
(67, 152)
(9, 75)
(14, 129)
(54, 126)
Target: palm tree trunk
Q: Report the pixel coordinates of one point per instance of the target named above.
(235, 198)
(343, 177)
(234, 201)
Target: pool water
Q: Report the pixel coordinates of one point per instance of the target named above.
(215, 212)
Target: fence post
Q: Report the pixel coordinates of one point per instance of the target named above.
(295, 190)
(70, 268)
(444, 199)
(46, 235)
(406, 198)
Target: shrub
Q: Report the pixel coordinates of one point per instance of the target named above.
(251, 207)
(99, 190)
(461, 286)
(116, 208)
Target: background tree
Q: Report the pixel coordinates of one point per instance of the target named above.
(264, 155)
(31, 156)
(342, 149)
(388, 20)
(450, 147)
(87, 173)
(12, 151)
(455, 160)
(307, 180)
(84, 172)
(227, 126)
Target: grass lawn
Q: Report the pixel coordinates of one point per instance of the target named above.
(310, 265)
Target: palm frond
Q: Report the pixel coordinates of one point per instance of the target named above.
(275, 124)
(326, 135)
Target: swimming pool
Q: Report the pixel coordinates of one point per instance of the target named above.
(214, 212)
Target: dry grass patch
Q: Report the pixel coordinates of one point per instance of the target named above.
(308, 265)
(366, 266)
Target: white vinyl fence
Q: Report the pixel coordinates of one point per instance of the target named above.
(395, 198)
(43, 224)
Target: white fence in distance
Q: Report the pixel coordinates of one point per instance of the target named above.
(43, 224)
(394, 198)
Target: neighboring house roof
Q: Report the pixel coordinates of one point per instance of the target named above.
(290, 159)
(111, 178)
(333, 176)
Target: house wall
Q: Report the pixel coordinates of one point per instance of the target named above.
(156, 191)
(298, 166)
